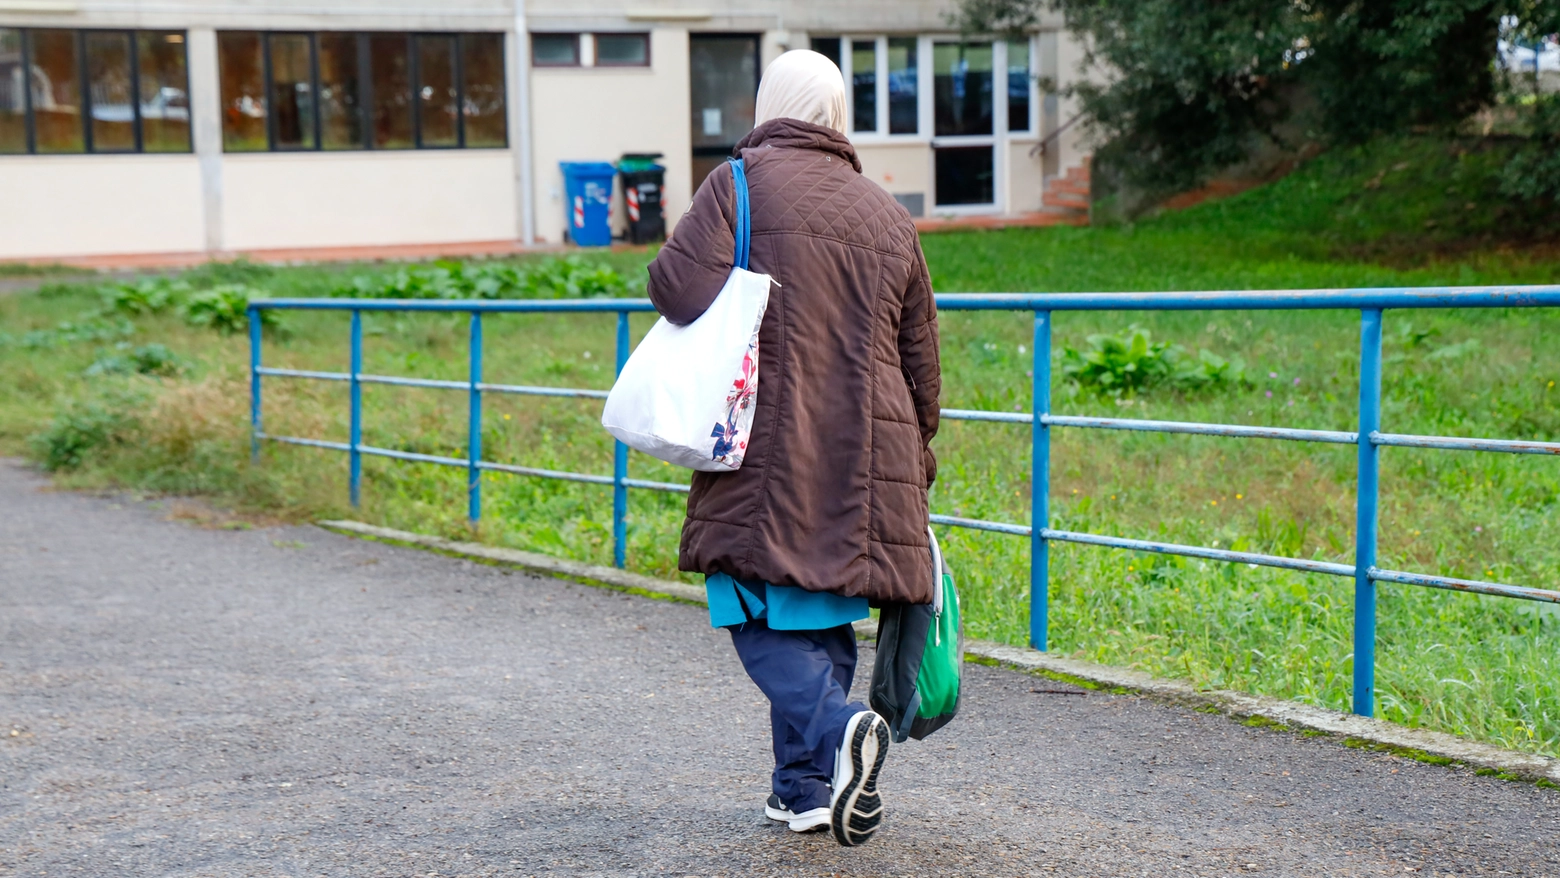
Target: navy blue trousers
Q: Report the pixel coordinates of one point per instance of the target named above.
(806, 676)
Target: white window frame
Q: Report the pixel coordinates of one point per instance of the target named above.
(1000, 138)
(1033, 132)
(997, 139)
(880, 57)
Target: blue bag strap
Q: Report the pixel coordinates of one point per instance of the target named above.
(744, 230)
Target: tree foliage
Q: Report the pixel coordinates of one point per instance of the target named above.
(1187, 86)
(1183, 89)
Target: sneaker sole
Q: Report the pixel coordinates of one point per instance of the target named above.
(805, 822)
(859, 809)
(810, 822)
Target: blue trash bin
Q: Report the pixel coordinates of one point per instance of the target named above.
(587, 209)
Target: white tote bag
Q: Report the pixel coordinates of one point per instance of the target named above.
(686, 394)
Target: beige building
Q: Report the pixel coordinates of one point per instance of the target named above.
(221, 126)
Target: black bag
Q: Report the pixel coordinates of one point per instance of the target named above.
(916, 679)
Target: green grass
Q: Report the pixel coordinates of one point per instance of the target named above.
(1480, 666)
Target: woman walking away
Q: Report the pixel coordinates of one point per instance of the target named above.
(828, 514)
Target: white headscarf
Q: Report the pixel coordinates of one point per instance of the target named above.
(802, 85)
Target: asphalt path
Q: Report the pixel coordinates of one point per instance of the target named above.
(179, 700)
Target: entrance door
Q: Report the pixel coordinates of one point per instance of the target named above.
(964, 139)
(723, 79)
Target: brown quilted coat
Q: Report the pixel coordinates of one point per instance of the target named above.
(832, 493)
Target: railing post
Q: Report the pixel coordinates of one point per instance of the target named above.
(354, 456)
(1365, 516)
(1040, 489)
(254, 383)
(620, 464)
(474, 433)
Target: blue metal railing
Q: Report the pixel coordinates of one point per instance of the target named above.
(1368, 438)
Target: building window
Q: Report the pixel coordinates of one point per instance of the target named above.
(555, 50)
(904, 86)
(622, 50)
(828, 47)
(965, 175)
(341, 91)
(241, 64)
(390, 88)
(111, 126)
(13, 93)
(962, 82)
(438, 98)
(863, 86)
(292, 91)
(1018, 79)
(334, 91)
(164, 90)
(102, 91)
(883, 76)
(483, 108)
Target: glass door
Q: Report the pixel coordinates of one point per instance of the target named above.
(964, 123)
(723, 80)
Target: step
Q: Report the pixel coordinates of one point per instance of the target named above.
(1073, 187)
(1066, 199)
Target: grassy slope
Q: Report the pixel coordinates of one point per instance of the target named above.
(1456, 662)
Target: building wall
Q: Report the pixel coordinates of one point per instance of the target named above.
(343, 199)
(72, 205)
(599, 113)
(900, 168)
(1074, 144)
(107, 204)
(391, 15)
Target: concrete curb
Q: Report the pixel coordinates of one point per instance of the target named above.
(620, 579)
(1372, 733)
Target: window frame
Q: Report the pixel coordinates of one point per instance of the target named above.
(595, 38)
(1031, 75)
(579, 51)
(461, 40)
(365, 92)
(84, 78)
(997, 141)
(879, 82)
(885, 98)
(883, 133)
(89, 143)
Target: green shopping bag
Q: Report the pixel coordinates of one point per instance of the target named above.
(920, 659)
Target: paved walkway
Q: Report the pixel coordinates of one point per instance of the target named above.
(178, 701)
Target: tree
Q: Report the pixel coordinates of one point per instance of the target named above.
(1182, 89)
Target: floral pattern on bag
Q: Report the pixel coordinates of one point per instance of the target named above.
(731, 437)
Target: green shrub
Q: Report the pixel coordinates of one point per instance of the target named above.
(85, 426)
(152, 296)
(568, 278)
(1130, 362)
(226, 309)
(150, 359)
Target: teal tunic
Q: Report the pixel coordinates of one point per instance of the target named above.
(784, 607)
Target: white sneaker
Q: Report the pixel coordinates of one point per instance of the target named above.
(855, 809)
(807, 821)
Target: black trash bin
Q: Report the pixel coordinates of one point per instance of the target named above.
(644, 199)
